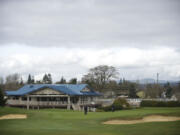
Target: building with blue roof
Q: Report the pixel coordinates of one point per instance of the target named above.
(74, 96)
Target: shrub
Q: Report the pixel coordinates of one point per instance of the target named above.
(173, 104)
(106, 108)
(2, 100)
(150, 103)
(118, 104)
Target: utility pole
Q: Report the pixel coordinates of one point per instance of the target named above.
(157, 78)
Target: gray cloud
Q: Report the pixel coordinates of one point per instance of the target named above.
(87, 23)
(139, 37)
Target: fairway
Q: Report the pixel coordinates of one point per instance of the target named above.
(63, 122)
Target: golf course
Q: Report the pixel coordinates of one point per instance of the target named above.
(68, 122)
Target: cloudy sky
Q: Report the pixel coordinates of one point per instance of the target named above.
(67, 37)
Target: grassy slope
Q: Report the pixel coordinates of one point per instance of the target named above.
(62, 122)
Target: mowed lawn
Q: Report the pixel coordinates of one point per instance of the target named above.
(63, 122)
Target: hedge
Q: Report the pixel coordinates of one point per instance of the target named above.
(150, 103)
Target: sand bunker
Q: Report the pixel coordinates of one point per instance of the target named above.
(152, 118)
(13, 116)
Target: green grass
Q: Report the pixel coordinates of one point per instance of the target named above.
(63, 122)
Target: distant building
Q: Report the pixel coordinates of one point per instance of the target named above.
(123, 93)
(74, 96)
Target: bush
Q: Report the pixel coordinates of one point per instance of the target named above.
(2, 100)
(106, 109)
(118, 104)
(150, 103)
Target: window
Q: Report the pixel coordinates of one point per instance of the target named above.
(24, 98)
(15, 98)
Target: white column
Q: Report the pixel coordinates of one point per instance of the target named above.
(79, 100)
(89, 100)
(20, 99)
(27, 104)
(69, 103)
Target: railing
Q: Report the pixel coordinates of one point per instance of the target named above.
(38, 103)
(105, 102)
(48, 103)
(137, 100)
(43, 103)
(162, 99)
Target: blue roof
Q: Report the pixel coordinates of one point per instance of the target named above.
(69, 89)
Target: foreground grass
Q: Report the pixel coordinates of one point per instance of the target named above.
(63, 122)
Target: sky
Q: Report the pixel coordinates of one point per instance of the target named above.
(68, 37)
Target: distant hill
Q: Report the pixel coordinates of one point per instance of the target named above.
(152, 81)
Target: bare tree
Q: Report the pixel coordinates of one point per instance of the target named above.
(12, 81)
(100, 75)
(153, 91)
(1, 81)
(104, 73)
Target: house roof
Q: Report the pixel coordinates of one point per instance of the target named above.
(69, 89)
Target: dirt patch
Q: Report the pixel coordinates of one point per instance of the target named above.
(152, 118)
(14, 116)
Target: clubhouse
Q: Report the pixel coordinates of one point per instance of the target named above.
(70, 96)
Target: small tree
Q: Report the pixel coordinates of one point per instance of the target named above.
(168, 90)
(21, 82)
(73, 81)
(12, 82)
(47, 79)
(39, 82)
(62, 81)
(29, 79)
(120, 103)
(2, 100)
(132, 91)
(153, 90)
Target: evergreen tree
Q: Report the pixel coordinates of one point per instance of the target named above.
(21, 82)
(49, 79)
(62, 81)
(2, 100)
(32, 80)
(73, 81)
(120, 81)
(179, 86)
(39, 82)
(132, 91)
(45, 79)
(29, 79)
(168, 90)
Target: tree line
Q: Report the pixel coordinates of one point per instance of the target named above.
(102, 78)
(15, 81)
